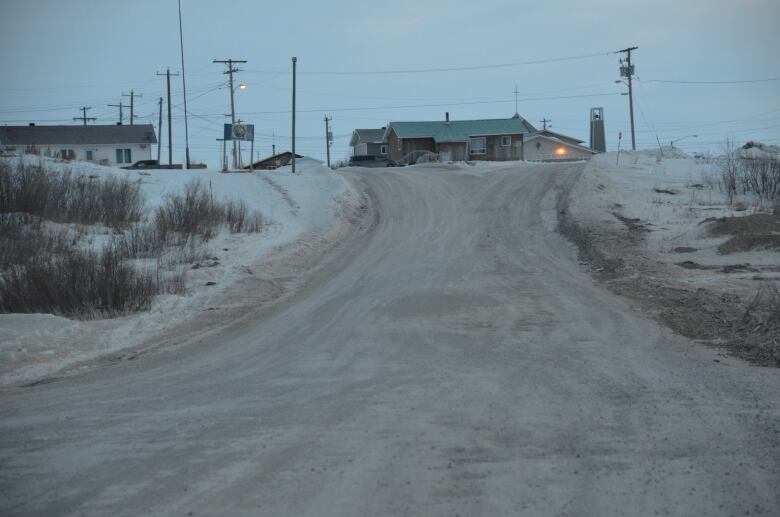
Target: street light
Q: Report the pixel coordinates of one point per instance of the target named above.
(671, 144)
(242, 86)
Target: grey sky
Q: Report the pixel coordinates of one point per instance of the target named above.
(58, 56)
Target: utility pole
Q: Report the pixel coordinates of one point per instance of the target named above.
(184, 88)
(230, 71)
(159, 132)
(627, 70)
(120, 106)
(84, 116)
(168, 75)
(273, 144)
(327, 137)
(294, 61)
(132, 99)
(544, 122)
(516, 112)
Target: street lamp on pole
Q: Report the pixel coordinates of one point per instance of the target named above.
(671, 144)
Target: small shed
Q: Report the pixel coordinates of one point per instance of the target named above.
(273, 162)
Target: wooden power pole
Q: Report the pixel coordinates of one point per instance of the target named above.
(168, 75)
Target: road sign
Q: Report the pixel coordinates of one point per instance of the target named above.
(240, 132)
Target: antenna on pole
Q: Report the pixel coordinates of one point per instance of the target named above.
(544, 122)
(517, 113)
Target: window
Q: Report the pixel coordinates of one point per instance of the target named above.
(383, 149)
(477, 145)
(124, 156)
(506, 141)
(399, 144)
(90, 157)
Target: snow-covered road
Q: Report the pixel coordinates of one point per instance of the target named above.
(454, 360)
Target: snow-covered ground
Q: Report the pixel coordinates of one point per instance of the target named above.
(300, 206)
(671, 198)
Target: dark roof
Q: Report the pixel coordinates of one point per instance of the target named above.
(77, 135)
(370, 136)
(461, 130)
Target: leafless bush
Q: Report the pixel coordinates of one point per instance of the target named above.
(77, 283)
(757, 176)
(240, 220)
(191, 213)
(23, 236)
(64, 196)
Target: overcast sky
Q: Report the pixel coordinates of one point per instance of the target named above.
(60, 55)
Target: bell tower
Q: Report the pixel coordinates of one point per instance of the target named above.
(597, 140)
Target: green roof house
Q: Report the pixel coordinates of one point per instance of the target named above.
(487, 139)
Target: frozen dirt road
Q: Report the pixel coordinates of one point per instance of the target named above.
(454, 360)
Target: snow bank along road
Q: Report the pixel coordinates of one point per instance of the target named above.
(453, 360)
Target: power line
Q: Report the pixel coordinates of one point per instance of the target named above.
(436, 70)
(709, 82)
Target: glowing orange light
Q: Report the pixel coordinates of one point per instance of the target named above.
(560, 151)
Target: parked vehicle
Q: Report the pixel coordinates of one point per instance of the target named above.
(368, 161)
(151, 164)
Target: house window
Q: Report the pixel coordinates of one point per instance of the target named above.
(123, 156)
(383, 149)
(506, 141)
(477, 145)
(90, 157)
(399, 144)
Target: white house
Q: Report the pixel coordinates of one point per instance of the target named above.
(103, 144)
(548, 146)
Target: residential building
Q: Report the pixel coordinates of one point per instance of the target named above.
(487, 139)
(547, 146)
(103, 144)
(368, 142)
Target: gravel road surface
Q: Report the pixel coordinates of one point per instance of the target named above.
(453, 360)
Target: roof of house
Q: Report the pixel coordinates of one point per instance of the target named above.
(370, 136)
(273, 157)
(560, 136)
(77, 135)
(460, 130)
(564, 141)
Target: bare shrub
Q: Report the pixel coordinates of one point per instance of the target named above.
(240, 220)
(63, 196)
(191, 213)
(77, 283)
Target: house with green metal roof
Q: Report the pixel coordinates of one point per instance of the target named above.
(485, 139)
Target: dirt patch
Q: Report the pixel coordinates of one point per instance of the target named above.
(750, 242)
(751, 232)
(689, 264)
(665, 191)
(683, 249)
